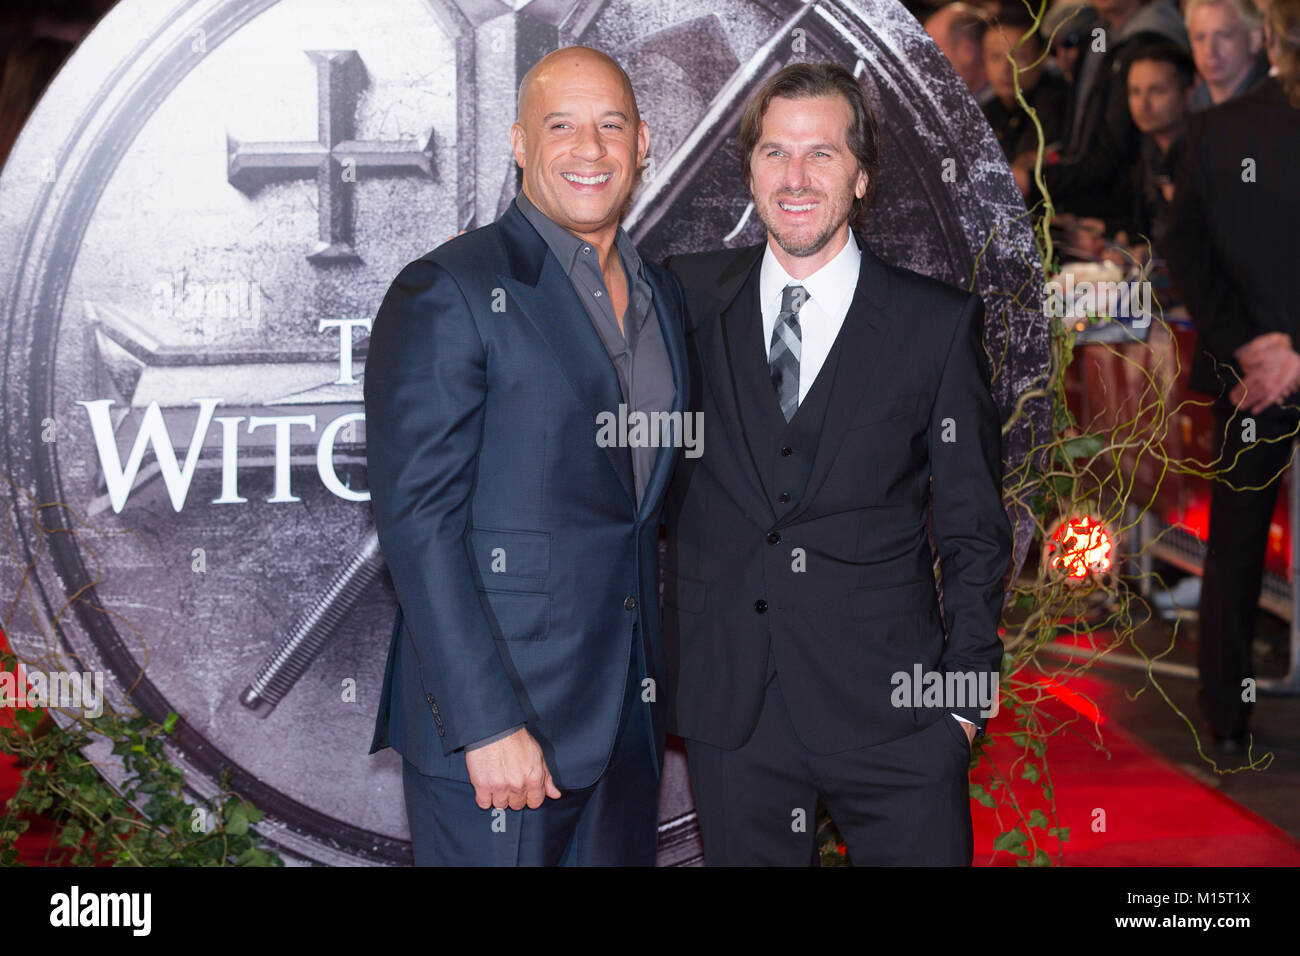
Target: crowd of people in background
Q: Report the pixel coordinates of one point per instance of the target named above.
(1170, 135)
(1112, 84)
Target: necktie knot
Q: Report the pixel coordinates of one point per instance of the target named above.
(793, 297)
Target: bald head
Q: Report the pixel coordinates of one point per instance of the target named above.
(572, 63)
(580, 141)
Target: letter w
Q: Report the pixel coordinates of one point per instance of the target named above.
(153, 431)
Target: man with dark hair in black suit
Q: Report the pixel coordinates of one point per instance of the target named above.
(801, 618)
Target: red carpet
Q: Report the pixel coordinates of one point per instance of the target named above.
(1155, 814)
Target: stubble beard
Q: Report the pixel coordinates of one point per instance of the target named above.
(812, 246)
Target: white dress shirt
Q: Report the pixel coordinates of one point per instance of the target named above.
(830, 290)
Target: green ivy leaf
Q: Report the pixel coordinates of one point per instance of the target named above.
(1009, 840)
(71, 834)
(55, 773)
(1084, 446)
(28, 720)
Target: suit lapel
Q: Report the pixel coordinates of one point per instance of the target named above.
(761, 422)
(546, 297)
(715, 347)
(863, 333)
(675, 344)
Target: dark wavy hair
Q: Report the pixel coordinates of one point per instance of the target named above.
(1166, 51)
(806, 80)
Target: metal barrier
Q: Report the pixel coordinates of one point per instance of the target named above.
(1182, 549)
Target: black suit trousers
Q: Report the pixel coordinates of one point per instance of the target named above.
(1234, 562)
(903, 802)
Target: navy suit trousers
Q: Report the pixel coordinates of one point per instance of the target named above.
(614, 822)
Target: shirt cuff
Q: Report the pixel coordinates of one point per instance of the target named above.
(491, 740)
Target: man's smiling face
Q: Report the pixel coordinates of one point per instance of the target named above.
(802, 174)
(579, 140)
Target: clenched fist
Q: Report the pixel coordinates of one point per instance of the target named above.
(510, 773)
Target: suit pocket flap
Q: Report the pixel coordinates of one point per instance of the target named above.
(512, 555)
(899, 406)
(520, 615)
(913, 597)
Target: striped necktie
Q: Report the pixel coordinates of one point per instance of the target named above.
(783, 356)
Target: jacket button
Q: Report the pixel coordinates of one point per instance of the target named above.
(783, 497)
(629, 604)
(787, 451)
(774, 537)
(760, 606)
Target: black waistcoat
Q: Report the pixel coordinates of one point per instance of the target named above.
(782, 451)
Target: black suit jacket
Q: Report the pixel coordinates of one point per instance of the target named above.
(864, 606)
(1231, 246)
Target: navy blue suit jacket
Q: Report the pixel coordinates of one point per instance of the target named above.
(523, 567)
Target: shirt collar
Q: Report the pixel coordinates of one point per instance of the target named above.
(564, 244)
(831, 287)
(567, 247)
